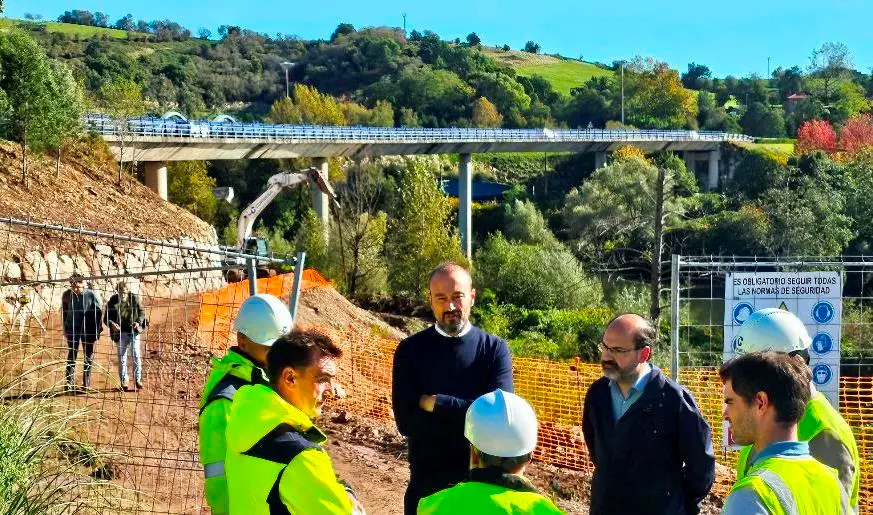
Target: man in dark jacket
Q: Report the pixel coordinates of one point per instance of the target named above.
(82, 321)
(651, 446)
(126, 319)
(437, 374)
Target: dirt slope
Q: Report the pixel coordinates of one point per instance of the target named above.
(87, 193)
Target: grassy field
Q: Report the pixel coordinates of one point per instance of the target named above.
(82, 31)
(564, 74)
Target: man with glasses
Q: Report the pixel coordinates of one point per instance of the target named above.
(650, 445)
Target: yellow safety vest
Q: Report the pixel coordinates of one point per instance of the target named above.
(819, 415)
(275, 463)
(228, 375)
(795, 486)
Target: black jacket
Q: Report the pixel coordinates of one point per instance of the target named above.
(81, 315)
(657, 459)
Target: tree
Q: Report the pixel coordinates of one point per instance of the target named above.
(859, 200)
(361, 229)
(655, 97)
(343, 29)
(101, 20)
(856, 134)
(485, 114)
(40, 102)
(531, 47)
(713, 117)
(473, 39)
(65, 119)
(310, 239)
(535, 276)
(696, 75)
(830, 63)
(419, 232)
(592, 103)
(126, 23)
(308, 106)
(788, 81)
(815, 135)
(408, 118)
(621, 214)
(190, 187)
(122, 99)
(204, 33)
(524, 223)
(760, 120)
(808, 220)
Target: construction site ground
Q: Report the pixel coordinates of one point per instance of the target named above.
(151, 434)
(154, 430)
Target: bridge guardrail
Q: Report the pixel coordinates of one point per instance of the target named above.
(159, 127)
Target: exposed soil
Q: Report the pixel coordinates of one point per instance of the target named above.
(85, 192)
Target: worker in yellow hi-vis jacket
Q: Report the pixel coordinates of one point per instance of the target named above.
(261, 320)
(275, 460)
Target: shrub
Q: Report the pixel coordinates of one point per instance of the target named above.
(534, 276)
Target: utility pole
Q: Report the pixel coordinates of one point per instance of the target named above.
(768, 68)
(286, 65)
(404, 24)
(622, 92)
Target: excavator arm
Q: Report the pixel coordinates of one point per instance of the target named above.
(275, 185)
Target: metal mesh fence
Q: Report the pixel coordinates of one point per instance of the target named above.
(150, 435)
(702, 318)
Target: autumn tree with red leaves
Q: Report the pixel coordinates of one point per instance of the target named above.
(857, 134)
(816, 135)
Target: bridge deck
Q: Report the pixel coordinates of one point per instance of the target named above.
(155, 139)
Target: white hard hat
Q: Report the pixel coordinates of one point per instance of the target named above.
(501, 424)
(772, 329)
(263, 318)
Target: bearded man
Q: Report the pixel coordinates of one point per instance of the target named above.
(437, 374)
(650, 445)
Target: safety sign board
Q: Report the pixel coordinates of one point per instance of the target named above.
(816, 299)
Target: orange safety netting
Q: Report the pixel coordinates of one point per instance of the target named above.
(556, 389)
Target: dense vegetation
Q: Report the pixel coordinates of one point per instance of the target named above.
(568, 246)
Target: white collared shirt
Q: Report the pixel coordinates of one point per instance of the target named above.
(466, 329)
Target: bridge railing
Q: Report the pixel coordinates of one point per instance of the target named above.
(159, 127)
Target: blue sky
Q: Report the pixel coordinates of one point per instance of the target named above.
(733, 37)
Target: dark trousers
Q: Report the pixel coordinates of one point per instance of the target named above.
(418, 490)
(72, 350)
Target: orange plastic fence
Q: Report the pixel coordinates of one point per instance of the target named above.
(555, 388)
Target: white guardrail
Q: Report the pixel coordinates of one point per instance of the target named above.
(160, 127)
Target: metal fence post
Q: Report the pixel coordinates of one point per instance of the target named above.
(253, 276)
(295, 288)
(674, 316)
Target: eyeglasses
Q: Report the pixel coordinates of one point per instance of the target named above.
(614, 350)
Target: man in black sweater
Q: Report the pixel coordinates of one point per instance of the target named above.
(437, 373)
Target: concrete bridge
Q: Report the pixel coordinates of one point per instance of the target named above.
(154, 141)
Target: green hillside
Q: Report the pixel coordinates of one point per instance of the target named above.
(82, 31)
(564, 74)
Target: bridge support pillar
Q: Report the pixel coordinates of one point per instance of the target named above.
(465, 203)
(689, 160)
(599, 160)
(320, 202)
(156, 177)
(712, 176)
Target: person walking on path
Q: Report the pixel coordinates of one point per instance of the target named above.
(82, 316)
(126, 319)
